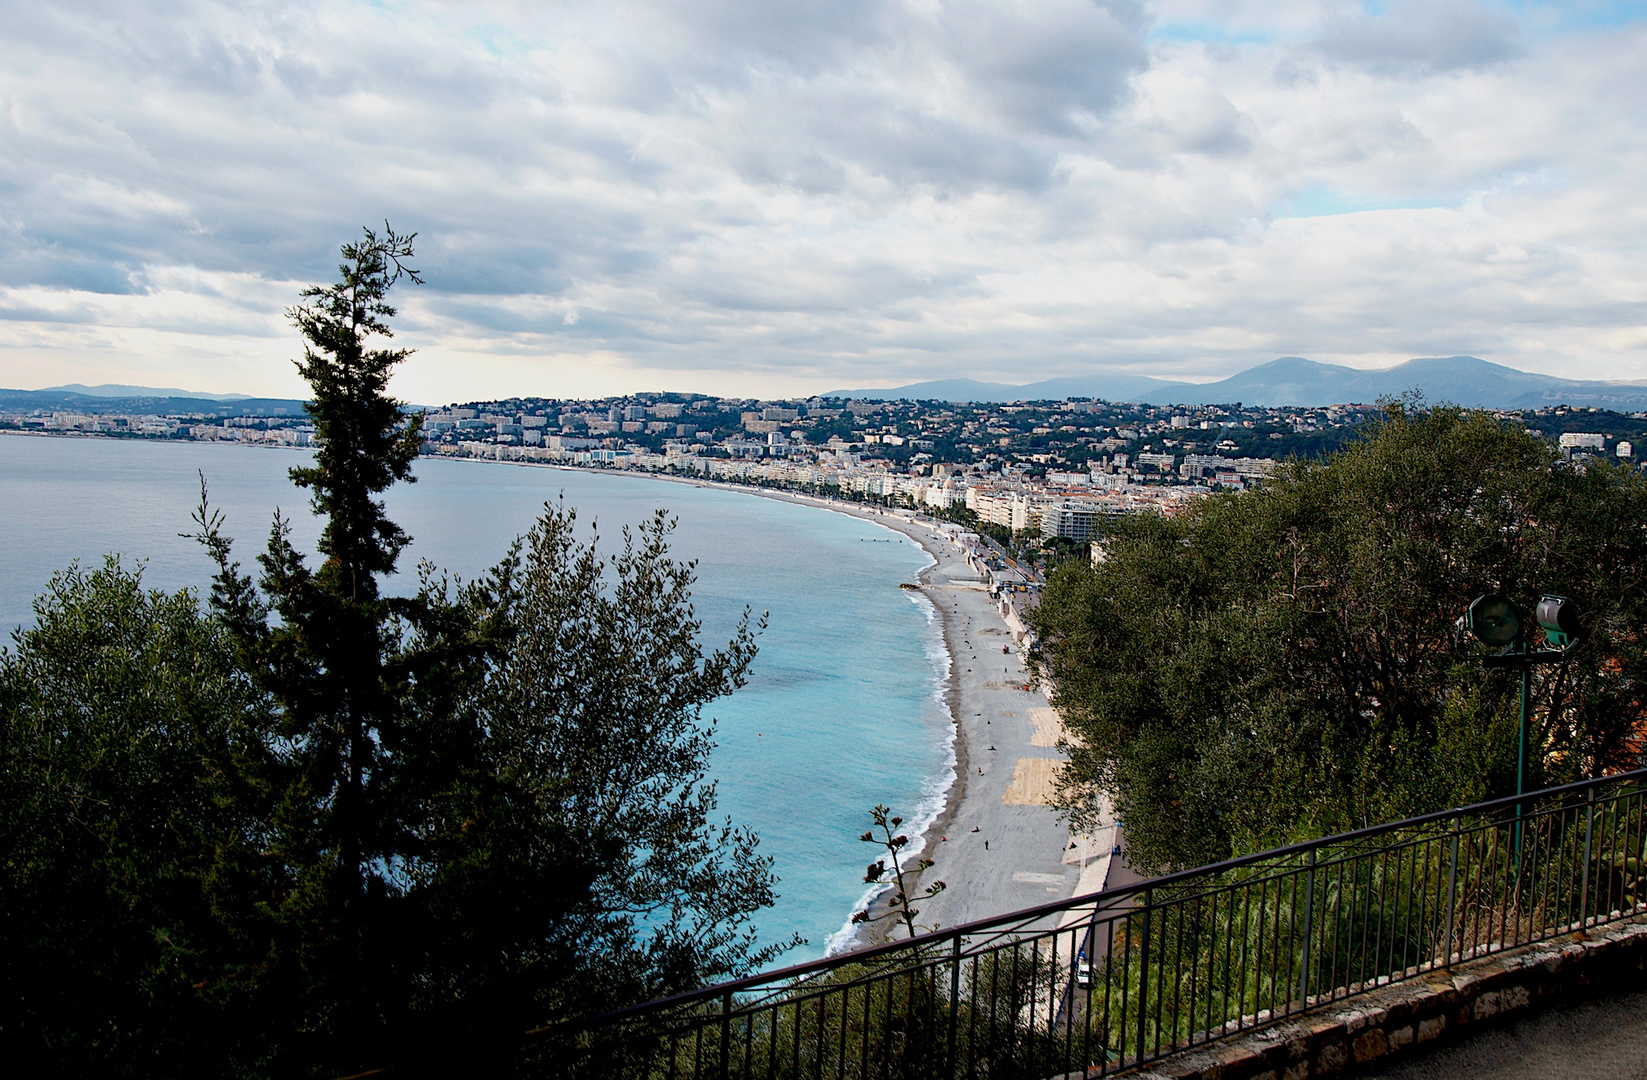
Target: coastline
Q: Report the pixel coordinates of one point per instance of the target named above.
(990, 719)
(975, 796)
(1003, 751)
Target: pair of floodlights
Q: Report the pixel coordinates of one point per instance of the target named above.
(1496, 622)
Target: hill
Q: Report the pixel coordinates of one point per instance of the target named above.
(1293, 380)
(143, 401)
(117, 390)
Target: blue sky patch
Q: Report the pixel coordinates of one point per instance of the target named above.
(1320, 201)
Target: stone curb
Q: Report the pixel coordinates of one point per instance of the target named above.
(1396, 1018)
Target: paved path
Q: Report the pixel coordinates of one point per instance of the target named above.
(1600, 1038)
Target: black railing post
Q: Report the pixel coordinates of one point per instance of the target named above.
(1521, 765)
(1584, 889)
(954, 997)
(726, 1035)
(1452, 880)
(1143, 973)
(1309, 911)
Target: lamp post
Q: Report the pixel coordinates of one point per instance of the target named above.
(1497, 623)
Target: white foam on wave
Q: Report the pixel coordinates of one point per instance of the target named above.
(935, 788)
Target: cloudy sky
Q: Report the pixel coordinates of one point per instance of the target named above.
(771, 197)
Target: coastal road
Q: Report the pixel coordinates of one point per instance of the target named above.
(1010, 559)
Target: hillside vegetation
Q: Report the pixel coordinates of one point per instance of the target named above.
(1283, 663)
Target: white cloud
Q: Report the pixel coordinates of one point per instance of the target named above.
(788, 197)
(1423, 36)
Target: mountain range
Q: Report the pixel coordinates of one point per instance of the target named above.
(1293, 380)
(159, 401)
(116, 390)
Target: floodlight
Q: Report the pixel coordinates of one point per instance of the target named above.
(1493, 620)
(1559, 618)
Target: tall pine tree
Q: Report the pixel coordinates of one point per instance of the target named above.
(333, 660)
(490, 800)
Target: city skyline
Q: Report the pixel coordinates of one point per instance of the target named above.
(686, 197)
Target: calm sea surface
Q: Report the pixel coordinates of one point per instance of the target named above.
(844, 708)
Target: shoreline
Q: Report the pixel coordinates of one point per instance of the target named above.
(1029, 843)
(1002, 753)
(929, 581)
(954, 794)
(1002, 748)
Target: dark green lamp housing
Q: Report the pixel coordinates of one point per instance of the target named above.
(1559, 618)
(1493, 620)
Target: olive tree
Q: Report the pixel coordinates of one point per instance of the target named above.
(133, 826)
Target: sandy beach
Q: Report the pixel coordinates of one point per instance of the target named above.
(998, 846)
(996, 843)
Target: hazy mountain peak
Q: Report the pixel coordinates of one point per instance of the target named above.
(116, 390)
(1298, 381)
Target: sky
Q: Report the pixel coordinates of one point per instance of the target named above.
(774, 198)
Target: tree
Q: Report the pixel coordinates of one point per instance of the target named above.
(593, 735)
(1282, 663)
(131, 833)
(492, 796)
(333, 624)
(334, 663)
(316, 828)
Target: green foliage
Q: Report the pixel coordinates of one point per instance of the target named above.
(339, 667)
(898, 905)
(942, 1016)
(133, 937)
(364, 443)
(590, 739)
(1282, 663)
(313, 829)
(1295, 929)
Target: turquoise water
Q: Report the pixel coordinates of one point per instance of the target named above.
(843, 710)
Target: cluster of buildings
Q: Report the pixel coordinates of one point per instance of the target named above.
(1053, 469)
(258, 430)
(1580, 443)
(1048, 469)
(1069, 506)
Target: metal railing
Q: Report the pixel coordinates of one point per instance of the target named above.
(1104, 982)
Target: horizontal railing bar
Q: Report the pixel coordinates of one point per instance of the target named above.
(998, 925)
(1285, 872)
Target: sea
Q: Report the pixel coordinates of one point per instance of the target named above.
(844, 709)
